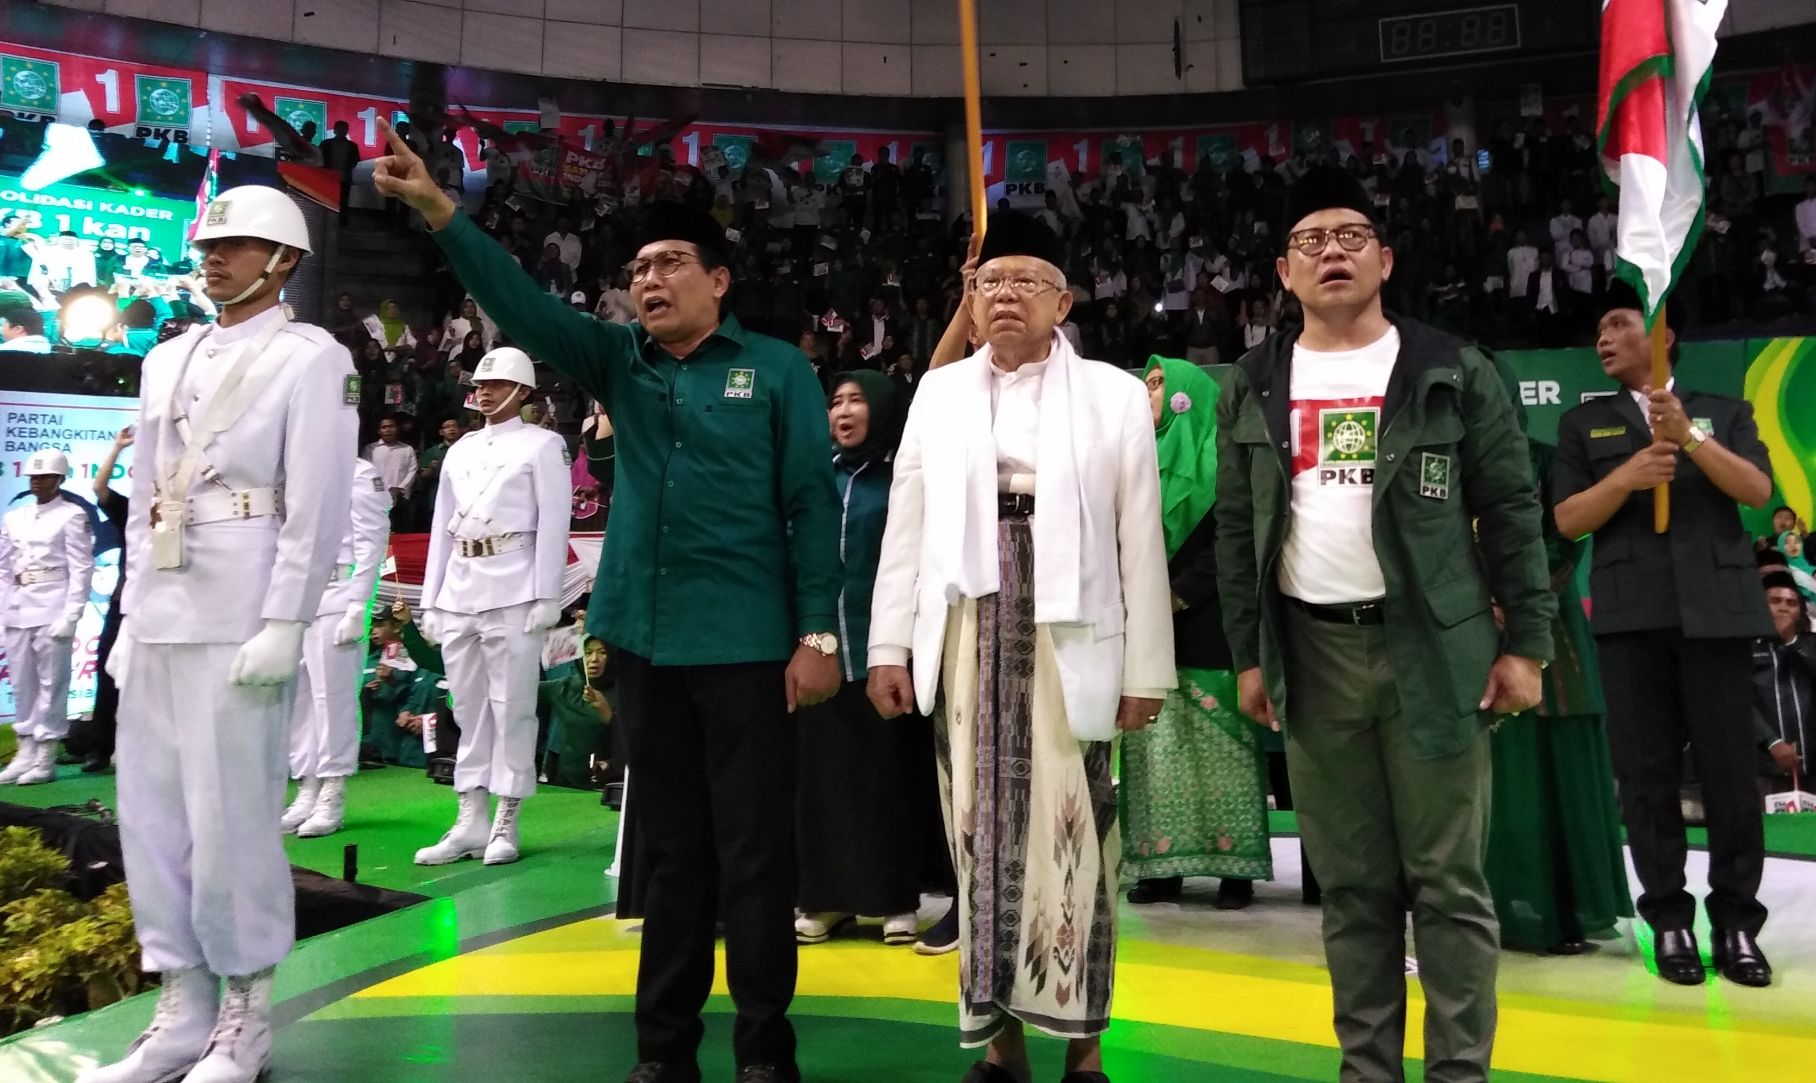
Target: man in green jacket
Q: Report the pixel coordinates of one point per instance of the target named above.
(717, 591)
(1374, 500)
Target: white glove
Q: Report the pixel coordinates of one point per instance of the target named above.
(352, 627)
(63, 629)
(271, 657)
(543, 616)
(428, 622)
(119, 659)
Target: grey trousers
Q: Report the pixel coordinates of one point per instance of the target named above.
(1384, 833)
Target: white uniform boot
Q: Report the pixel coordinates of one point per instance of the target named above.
(22, 761)
(502, 848)
(239, 1050)
(178, 1034)
(330, 809)
(467, 838)
(43, 766)
(308, 791)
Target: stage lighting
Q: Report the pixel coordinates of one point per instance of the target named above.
(68, 150)
(86, 318)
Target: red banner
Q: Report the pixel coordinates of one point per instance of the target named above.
(141, 100)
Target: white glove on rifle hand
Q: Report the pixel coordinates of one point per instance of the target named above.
(271, 657)
(543, 616)
(63, 629)
(428, 622)
(120, 657)
(352, 627)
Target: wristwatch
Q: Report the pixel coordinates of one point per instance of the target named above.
(1696, 440)
(824, 642)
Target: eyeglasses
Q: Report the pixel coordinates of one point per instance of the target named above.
(664, 265)
(1020, 287)
(1312, 242)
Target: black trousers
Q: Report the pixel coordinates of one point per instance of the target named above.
(1664, 691)
(711, 752)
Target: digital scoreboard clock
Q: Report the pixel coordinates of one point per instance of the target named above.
(1289, 41)
(1463, 32)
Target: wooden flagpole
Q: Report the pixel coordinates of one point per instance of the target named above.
(1661, 378)
(974, 114)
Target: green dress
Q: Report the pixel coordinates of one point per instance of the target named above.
(1554, 841)
(1193, 788)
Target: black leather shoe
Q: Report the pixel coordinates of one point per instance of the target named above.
(1679, 959)
(769, 1073)
(1738, 958)
(1234, 894)
(94, 765)
(659, 1071)
(1163, 889)
(985, 1072)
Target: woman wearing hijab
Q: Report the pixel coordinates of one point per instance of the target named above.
(1194, 784)
(392, 333)
(861, 795)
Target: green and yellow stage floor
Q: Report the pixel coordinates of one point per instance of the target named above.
(520, 973)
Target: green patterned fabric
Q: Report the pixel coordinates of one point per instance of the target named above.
(1194, 787)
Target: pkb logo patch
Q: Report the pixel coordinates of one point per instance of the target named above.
(1434, 476)
(1346, 446)
(740, 383)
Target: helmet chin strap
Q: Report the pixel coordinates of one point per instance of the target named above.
(512, 402)
(264, 276)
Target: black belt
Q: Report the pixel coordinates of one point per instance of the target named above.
(1359, 613)
(1014, 505)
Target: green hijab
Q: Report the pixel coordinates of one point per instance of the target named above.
(1187, 437)
(394, 326)
(885, 427)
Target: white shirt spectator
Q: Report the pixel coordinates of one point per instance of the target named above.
(1139, 222)
(1561, 228)
(616, 305)
(807, 204)
(1603, 230)
(1522, 261)
(1547, 300)
(1806, 222)
(569, 243)
(396, 463)
(1108, 286)
(1579, 268)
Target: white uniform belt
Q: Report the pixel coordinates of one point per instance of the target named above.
(39, 575)
(491, 547)
(215, 507)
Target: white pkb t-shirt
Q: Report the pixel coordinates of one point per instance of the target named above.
(1329, 554)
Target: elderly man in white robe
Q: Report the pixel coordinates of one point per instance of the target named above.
(1023, 575)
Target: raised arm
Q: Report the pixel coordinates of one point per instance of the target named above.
(582, 347)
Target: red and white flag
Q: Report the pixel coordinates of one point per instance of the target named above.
(204, 192)
(1656, 58)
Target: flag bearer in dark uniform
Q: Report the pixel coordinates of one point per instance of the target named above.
(1353, 461)
(718, 592)
(1675, 616)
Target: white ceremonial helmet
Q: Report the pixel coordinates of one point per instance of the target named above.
(255, 210)
(506, 363)
(47, 461)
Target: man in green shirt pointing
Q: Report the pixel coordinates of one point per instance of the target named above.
(718, 591)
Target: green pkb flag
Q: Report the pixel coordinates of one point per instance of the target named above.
(1027, 160)
(835, 155)
(163, 103)
(29, 85)
(1220, 149)
(736, 149)
(300, 111)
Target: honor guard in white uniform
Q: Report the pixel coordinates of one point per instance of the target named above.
(47, 560)
(324, 734)
(497, 550)
(230, 552)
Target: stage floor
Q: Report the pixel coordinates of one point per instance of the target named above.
(520, 973)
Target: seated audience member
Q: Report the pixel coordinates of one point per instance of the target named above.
(390, 676)
(577, 701)
(1784, 687)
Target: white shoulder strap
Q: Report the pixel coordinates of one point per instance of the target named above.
(224, 408)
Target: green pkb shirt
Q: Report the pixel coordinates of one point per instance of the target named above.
(724, 539)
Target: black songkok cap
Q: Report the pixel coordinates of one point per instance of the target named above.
(1014, 234)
